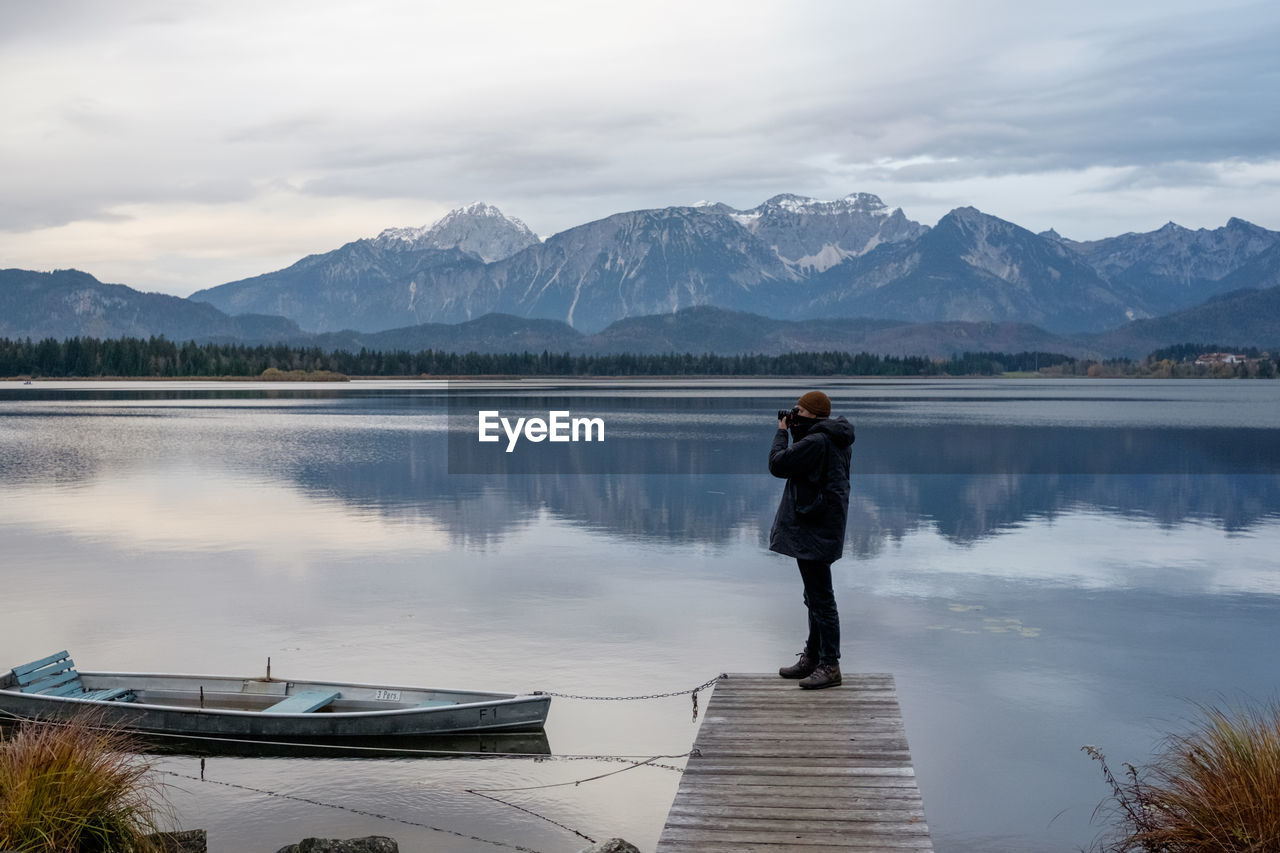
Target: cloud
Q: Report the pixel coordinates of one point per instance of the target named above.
(160, 511)
(567, 111)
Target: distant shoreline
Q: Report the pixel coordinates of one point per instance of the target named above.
(673, 377)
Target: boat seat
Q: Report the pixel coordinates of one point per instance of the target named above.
(56, 675)
(303, 703)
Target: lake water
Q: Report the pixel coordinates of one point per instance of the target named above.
(1040, 564)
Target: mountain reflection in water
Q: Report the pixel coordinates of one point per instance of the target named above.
(1040, 564)
(671, 468)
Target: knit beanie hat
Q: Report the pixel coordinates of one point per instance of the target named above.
(817, 403)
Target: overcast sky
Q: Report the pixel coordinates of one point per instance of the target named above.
(176, 145)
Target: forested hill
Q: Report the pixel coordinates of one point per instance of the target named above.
(158, 357)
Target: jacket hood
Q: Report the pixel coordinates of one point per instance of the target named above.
(839, 430)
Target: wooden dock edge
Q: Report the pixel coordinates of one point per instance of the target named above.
(778, 768)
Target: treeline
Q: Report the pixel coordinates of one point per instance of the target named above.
(149, 357)
(160, 357)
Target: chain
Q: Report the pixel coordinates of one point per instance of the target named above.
(693, 690)
(351, 809)
(565, 827)
(631, 765)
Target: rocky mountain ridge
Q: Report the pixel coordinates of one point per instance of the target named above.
(69, 303)
(627, 264)
(790, 257)
(1174, 267)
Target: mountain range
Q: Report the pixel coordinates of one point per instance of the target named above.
(73, 303)
(788, 258)
(791, 273)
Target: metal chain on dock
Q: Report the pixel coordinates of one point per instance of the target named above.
(693, 690)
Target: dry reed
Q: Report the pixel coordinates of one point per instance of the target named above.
(76, 787)
(1216, 788)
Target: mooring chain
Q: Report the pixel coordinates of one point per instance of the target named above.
(624, 759)
(565, 827)
(694, 690)
(353, 810)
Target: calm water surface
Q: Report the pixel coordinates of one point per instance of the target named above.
(1041, 565)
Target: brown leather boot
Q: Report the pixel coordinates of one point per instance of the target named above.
(825, 675)
(801, 668)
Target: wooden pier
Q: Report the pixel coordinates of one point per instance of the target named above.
(779, 768)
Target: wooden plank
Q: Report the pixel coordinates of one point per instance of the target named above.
(303, 703)
(713, 791)
(732, 738)
(859, 716)
(767, 680)
(841, 783)
(778, 768)
(681, 838)
(893, 749)
(735, 738)
(843, 814)
(25, 668)
(817, 710)
(799, 765)
(889, 753)
(811, 825)
(46, 681)
(69, 688)
(727, 727)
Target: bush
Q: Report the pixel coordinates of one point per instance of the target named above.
(75, 788)
(1214, 789)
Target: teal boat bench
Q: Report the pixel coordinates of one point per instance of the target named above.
(303, 703)
(56, 675)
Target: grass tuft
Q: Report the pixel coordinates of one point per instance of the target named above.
(1216, 788)
(76, 787)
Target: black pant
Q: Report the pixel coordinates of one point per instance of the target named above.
(824, 620)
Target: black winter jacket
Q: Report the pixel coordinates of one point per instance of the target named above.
(818, 538)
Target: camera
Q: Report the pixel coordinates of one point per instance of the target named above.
(788, 416)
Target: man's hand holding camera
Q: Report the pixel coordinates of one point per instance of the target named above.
(786, 419)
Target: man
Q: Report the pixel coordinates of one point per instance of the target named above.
(810, 524)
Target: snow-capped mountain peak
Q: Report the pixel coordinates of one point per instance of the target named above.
(479, 228)
(867, 203)
(811, 234)
(407, 237)
(790, 202)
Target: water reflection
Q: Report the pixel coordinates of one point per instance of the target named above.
(354, 479)
(1040, 565)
